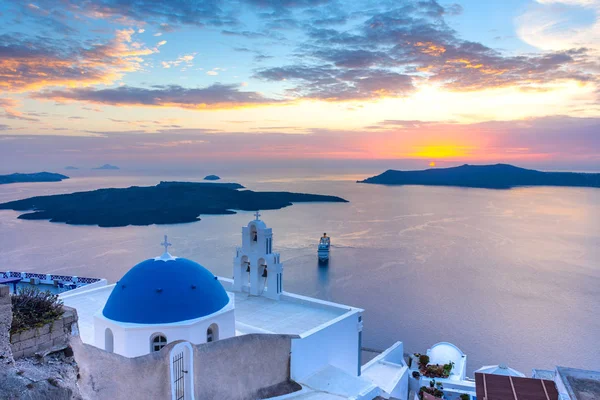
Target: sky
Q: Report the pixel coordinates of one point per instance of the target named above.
(141, 83)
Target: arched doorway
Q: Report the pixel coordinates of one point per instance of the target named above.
(182, 372)
(109, 341)
(212, 333)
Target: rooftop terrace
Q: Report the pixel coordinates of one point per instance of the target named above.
(580, 384)
(296, 315)
(291, 315)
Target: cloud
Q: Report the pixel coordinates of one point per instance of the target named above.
(245, 34)
(10, 110)
(404, 124)
(48, 19)
(334, 84)
(29, 63)
(553, 142)
(454, 9)
(216, 96)
(561, 24)
(411, 45)
(187, 60)
(157, 12)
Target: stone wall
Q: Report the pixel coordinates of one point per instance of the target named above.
(5, 323)
(235, 369)
(50, 337)
(241, 367)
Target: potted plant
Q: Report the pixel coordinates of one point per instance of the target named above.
(431, 390)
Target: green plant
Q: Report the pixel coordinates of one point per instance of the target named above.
(437, 371)
(432, 391)
(465, 396)
(448, 368)
(423, 360)
(33, 308)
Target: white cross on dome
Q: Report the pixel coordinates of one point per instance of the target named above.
(166, 244)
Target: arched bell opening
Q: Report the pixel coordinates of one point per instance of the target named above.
(253, 234)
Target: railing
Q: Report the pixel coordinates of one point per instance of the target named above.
(49, 278)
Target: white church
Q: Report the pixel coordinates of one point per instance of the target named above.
(167, 299)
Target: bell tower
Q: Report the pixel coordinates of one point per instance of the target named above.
(256, 269)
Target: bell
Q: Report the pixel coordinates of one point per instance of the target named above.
(248, 268)
(264, 274)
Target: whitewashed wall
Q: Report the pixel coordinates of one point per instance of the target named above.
(133, 340)
(336, 344)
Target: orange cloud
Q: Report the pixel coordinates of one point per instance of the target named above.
(431, 48)
(480, 67)
(32, 64)
(10, 111)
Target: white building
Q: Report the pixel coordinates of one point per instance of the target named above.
(165, 299)
(162, 300)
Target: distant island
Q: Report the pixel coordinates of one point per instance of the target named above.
(212, 178)
(34, 177)
(107, 166)
(70, 167)
(165, 203)
(498, 176)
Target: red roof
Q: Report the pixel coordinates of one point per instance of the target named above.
(500, 387)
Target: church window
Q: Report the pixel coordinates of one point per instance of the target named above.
(212, 333)
(157, 342)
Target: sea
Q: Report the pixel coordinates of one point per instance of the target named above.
(509, 276)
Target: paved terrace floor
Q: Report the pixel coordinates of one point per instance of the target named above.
(283, 317)
(87, 304)
(253, 314)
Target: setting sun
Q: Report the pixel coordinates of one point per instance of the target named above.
(441, 151)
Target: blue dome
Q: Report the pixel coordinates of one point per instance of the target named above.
(158, 291)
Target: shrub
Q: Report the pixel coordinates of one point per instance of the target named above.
(433, 391)
(438, 371)
(424, 360)
(465, 396)
(448, 368)
(33, 308)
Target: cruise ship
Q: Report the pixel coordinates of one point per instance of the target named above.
(323, 251)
